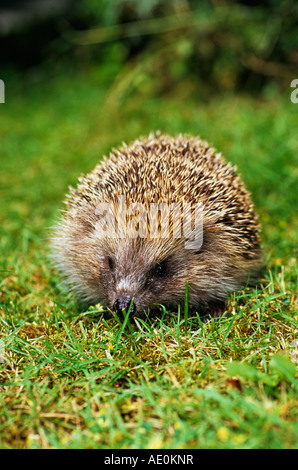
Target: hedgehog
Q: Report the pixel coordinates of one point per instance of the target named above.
(156, 217)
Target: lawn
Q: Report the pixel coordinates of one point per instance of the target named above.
(74, 379)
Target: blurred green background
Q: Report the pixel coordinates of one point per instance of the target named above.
(208, 46)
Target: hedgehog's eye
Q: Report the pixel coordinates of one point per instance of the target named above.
(159, 269)
(111, 263)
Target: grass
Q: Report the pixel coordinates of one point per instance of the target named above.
(75, 379)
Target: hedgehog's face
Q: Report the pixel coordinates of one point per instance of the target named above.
(152, 272)
(150, 276)
(140, 284)
(134, 266)
(135, 274)
(113, 271)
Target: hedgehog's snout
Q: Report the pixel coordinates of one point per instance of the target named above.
(123, 303)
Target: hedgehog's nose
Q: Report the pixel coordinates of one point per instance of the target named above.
(123, 303)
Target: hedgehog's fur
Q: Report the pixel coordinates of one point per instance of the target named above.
(159, 169)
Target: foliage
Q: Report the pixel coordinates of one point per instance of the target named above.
(215, 46)
(218, 45)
